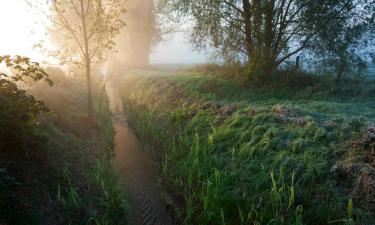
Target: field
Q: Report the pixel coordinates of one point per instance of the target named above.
(62, 173)
(234, 154)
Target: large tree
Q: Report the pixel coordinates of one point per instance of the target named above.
(83, 31)
(266, 33)
(139, 36)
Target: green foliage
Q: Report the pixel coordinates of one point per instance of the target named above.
(284, 78)
(79, 35)
(19, 110)
(11, 209)
(19, 113)
(265, 34)
(83, 31)
(66, 175)
(268, 161)
(87, 190)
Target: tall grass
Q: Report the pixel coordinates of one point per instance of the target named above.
(87, 188)
(238, 161)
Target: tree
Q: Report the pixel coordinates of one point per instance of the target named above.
(84, 30)
(347, 45)
(139, 35)
(266, 33)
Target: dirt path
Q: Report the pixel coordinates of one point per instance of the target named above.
(138, 171)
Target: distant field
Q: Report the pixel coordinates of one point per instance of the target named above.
(239, 155)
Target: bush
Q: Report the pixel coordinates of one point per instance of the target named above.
(283, 78)
(18, 110)
(232, 70)
(286, 77)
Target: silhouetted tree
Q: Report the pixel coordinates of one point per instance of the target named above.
(140, 34)
(84, 30)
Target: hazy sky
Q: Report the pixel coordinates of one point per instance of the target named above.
(20, 33)
(176, 50)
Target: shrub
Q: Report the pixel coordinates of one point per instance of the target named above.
(232, 70)
(284, 78)
(18, 110)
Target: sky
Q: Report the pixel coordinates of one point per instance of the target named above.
(176, 50)
(17, 29)
(20, 33)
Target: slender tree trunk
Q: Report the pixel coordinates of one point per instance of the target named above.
(89, 91)
(87, 61)
(297, 66)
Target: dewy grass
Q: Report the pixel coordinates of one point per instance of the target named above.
(240, 156)
(87, 189)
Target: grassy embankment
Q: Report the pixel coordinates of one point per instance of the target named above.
(65, 176)
(272, 155)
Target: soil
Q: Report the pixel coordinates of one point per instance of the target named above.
(138, 170)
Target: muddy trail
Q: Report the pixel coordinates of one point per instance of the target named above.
(138, 171)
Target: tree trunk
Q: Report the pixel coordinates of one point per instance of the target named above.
(340, 72)
(297, 67)
(89, 91)
(87, 61)
(268, 38)
(248, 28)
(257, 64)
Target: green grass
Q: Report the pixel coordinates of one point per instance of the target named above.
(68, 177)
(240, 155)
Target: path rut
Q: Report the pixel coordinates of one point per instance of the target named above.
(138, 171)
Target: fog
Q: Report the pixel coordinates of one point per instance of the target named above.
(22, 34)
(176, 50)
(142, 42)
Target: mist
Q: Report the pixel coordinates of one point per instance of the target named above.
(177, 50)
(109, 115)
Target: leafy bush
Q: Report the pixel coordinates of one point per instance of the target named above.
(232, 70)
(19, 110)
(283, 78)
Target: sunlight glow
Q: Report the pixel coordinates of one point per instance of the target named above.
(20, 30)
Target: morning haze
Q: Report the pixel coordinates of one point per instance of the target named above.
(209, 112)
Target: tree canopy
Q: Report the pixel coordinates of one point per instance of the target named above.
(266, 33)
(84, 31)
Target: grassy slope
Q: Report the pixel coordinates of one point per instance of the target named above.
(235, 155)
(67, 178)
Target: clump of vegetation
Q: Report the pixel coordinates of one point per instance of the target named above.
(236, 155)
(88, 190)
(84, 32)
(18, 110)
(59, 152)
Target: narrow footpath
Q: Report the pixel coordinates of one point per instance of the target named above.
(138, 171)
